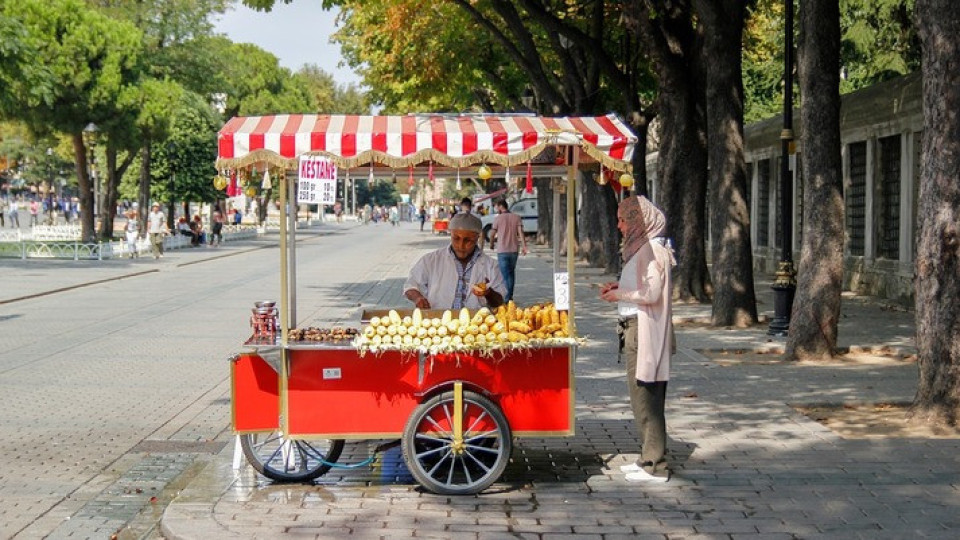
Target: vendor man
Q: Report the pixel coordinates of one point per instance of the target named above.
(456, 276)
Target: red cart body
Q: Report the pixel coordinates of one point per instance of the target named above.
(333, 392)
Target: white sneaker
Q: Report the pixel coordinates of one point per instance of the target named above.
(633, 467)
(644, 476)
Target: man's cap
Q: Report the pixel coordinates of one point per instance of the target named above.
(156, 204)
(465, 222)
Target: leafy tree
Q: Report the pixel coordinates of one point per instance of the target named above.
(763, 60)
(183, 166)
(407, 59)
(178, 53)
(879, 42)
(816, 310)
(93, 60)
(938, 240)
(25, 81)
(381, 192)
(259, 85)
(330, 97)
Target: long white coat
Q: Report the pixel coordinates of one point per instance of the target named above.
(645, 288)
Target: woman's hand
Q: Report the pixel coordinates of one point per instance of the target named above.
(610, 291)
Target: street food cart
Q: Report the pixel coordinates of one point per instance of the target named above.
(298, 393)
(440, 225)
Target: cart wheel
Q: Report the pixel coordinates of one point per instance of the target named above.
(446, 466)
(289, 460)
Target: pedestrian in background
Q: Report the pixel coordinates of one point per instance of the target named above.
(216, 229)
(34, 212)
(132, 233)
(4, 205)
(423, 216)
(200, 236)
(506, 236)
(14, 213)
(157, 228)
(643, 303)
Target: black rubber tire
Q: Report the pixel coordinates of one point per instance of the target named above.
(263, 452)
(429, 456)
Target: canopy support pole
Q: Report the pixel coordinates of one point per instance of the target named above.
(291, 215)
(284, 265)
(284, 307)
(571, 234)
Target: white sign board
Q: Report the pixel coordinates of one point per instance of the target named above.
(561, 290)
(316, 181)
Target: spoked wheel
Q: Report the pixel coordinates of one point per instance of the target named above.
(289, 460)
(451, 463)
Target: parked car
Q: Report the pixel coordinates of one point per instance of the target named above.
(525, 208)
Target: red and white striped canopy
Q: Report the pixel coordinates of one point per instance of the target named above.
(399, 141)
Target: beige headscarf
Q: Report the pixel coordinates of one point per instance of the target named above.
(644, 221)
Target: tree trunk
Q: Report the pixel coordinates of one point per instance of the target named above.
(673, 41)
(734, 297)
(599, 240)
(682, 171)
(816, 308)
(938, 240)
(544, 211)
(641, 126)
(143, 193)
(84, 186)
(109, 194)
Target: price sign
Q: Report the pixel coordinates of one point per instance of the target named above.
(561, 290)
(316, 181)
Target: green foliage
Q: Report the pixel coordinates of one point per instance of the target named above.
(259, 85)
(879, 41)
(91, 57)
(330, 97)
(763, 61)
(412, 62)
(382, 192)
(24, 80)
(183, 164)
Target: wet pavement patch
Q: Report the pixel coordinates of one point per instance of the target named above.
(179, 447)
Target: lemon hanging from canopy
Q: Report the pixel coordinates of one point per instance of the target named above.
(626, 180)
(484, 172)
(219, 182)
(251, 191)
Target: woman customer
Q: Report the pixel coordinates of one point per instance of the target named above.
(643, 303)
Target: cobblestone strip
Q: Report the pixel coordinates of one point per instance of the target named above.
(122, 501)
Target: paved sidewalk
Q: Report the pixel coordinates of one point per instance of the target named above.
(746, 464)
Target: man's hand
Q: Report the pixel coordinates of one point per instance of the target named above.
(418, 299)
(480, 289)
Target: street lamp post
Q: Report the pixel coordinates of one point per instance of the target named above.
(90, 133)
(51, 189)
(785, 284)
